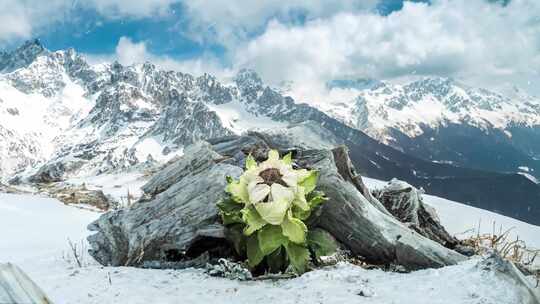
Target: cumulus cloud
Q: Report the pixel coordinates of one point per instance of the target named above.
(18, 19)
(224, 21)
(485, 43)
(14, 22)
(130, 8)
(130, 52)
(232, 21)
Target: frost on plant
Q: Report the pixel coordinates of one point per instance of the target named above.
(266, 213)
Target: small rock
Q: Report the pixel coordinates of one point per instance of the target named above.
(230, 270)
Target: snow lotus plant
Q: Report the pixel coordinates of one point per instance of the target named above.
(266, 212)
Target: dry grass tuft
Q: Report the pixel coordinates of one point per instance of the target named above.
(514, 250)
(76, 254)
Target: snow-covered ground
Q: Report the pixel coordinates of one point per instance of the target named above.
(235, 117)
(34, 226)
(34, 232)
(116, 186)
(344, 283)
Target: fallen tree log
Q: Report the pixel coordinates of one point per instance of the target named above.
(359, 224)
(171, 221)
(178, 220)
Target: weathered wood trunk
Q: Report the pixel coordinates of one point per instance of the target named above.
(17, 288)
(178, 218)
(346, 170)
(405, 203)
(360, 225)
(180, 209)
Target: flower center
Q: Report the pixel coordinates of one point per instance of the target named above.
(272, 176)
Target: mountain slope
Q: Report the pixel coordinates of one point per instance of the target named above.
(441, 120)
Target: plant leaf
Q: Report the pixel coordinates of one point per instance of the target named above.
(280, 192)
(294, 229)
(230, 211)
(254, 253)
(277, 260)
(234, 234)
(252, 219)
(273, 155)
(273, 212)
(230, 218)
(298, 257)
(300, 199)
(238, 190)
(300, 214)
(310, 181)
(287, 159)
(250, 162)
(321, 242)
(229, 205)
(270, 238)
(316, 199)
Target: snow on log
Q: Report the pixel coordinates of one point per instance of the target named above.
(507, 271)
(405, 203)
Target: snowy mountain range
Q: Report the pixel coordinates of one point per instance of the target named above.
(62, 118)
(442, 120)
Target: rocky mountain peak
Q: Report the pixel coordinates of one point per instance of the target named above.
(33, 69)
(214, 91)
(249, 83)
(22, 56)
(438, 87)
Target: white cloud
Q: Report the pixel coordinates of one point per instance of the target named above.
(232, 21)
(18, 19)
(14, 21)
(486, 44)
(129, 52)
(226, 21)
(130, 8)
(22, 19)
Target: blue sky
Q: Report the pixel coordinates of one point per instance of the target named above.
(488, 43)
(94, 34)
(90, 32)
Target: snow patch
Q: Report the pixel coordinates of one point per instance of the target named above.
(530, 177)
(524, 168)
(236, 118)
(155, 148)
(115, 185)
